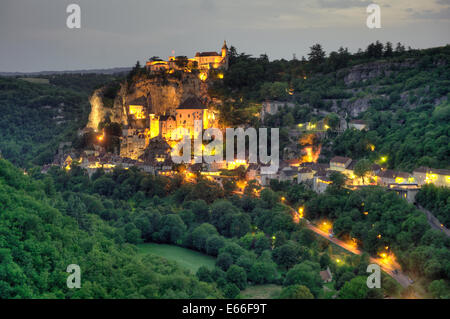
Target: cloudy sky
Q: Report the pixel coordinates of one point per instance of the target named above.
(34, 35)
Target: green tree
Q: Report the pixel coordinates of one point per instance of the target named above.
(237, 276)
(316, 55)
(337, 179)
(231, 291)
(362, 167)
(296, 292)
(307, 274)
(439, 289)
(286, 255)
(204, 274)
(224, 261)
(332, 120)
(201, 234)
(214, 244)
(262, 272)
(355, 289)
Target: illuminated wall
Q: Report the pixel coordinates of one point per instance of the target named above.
(438, 179)
(167, 127)
(154, 126)
(185, 118)
(138, 111)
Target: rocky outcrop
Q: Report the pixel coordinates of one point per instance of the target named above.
(364, 72)
(352, 107)
(272, 107)
(162, 96)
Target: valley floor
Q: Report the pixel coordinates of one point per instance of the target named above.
(186, 258)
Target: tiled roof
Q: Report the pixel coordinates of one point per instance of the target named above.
(421, 169)
(305, 170)
(352, 164)
(389, 173)
(402, 174)
(166, 117)
(211, 53)
(340, 159)
(375, 167)
(441, 171)
(192, 103)
(326, 275)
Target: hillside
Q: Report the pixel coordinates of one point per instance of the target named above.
(403, 98)
(41, 233)
(37, 117)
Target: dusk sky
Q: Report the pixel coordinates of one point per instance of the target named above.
(116, 33)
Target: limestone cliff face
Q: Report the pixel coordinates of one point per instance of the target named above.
(97, 110)
(162, 96)
(363, 72)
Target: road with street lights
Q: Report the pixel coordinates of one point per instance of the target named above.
(388, 267)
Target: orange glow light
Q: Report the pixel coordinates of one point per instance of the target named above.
(326, 226)
(300, 212)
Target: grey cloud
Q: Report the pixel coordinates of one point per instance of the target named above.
(343, 4)
(444, 2)
(443, 14)
(34, 37)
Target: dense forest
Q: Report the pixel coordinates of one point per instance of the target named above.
(95, 222)
(42, 231)
(437, 200)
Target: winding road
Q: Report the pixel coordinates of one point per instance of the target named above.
(389, 268)
(433, 221)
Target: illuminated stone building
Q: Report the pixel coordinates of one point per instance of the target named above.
(427, 175)
(187, 113)
(339, 163)
(201, 60)
(143, 127)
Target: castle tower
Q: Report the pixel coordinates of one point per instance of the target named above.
(225, 57)
(224, 49)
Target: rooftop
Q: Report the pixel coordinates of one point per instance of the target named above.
(326, 274)
(389, 173)
(352, 164)
(211, 53)
(192, 103)
(440, 171)
(340, 159)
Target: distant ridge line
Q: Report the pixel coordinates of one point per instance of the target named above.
(85, 71)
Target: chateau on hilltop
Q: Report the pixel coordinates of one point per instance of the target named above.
(148, 118)
(202, 61)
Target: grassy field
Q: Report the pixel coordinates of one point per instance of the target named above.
(269, 291)
(186, 258)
